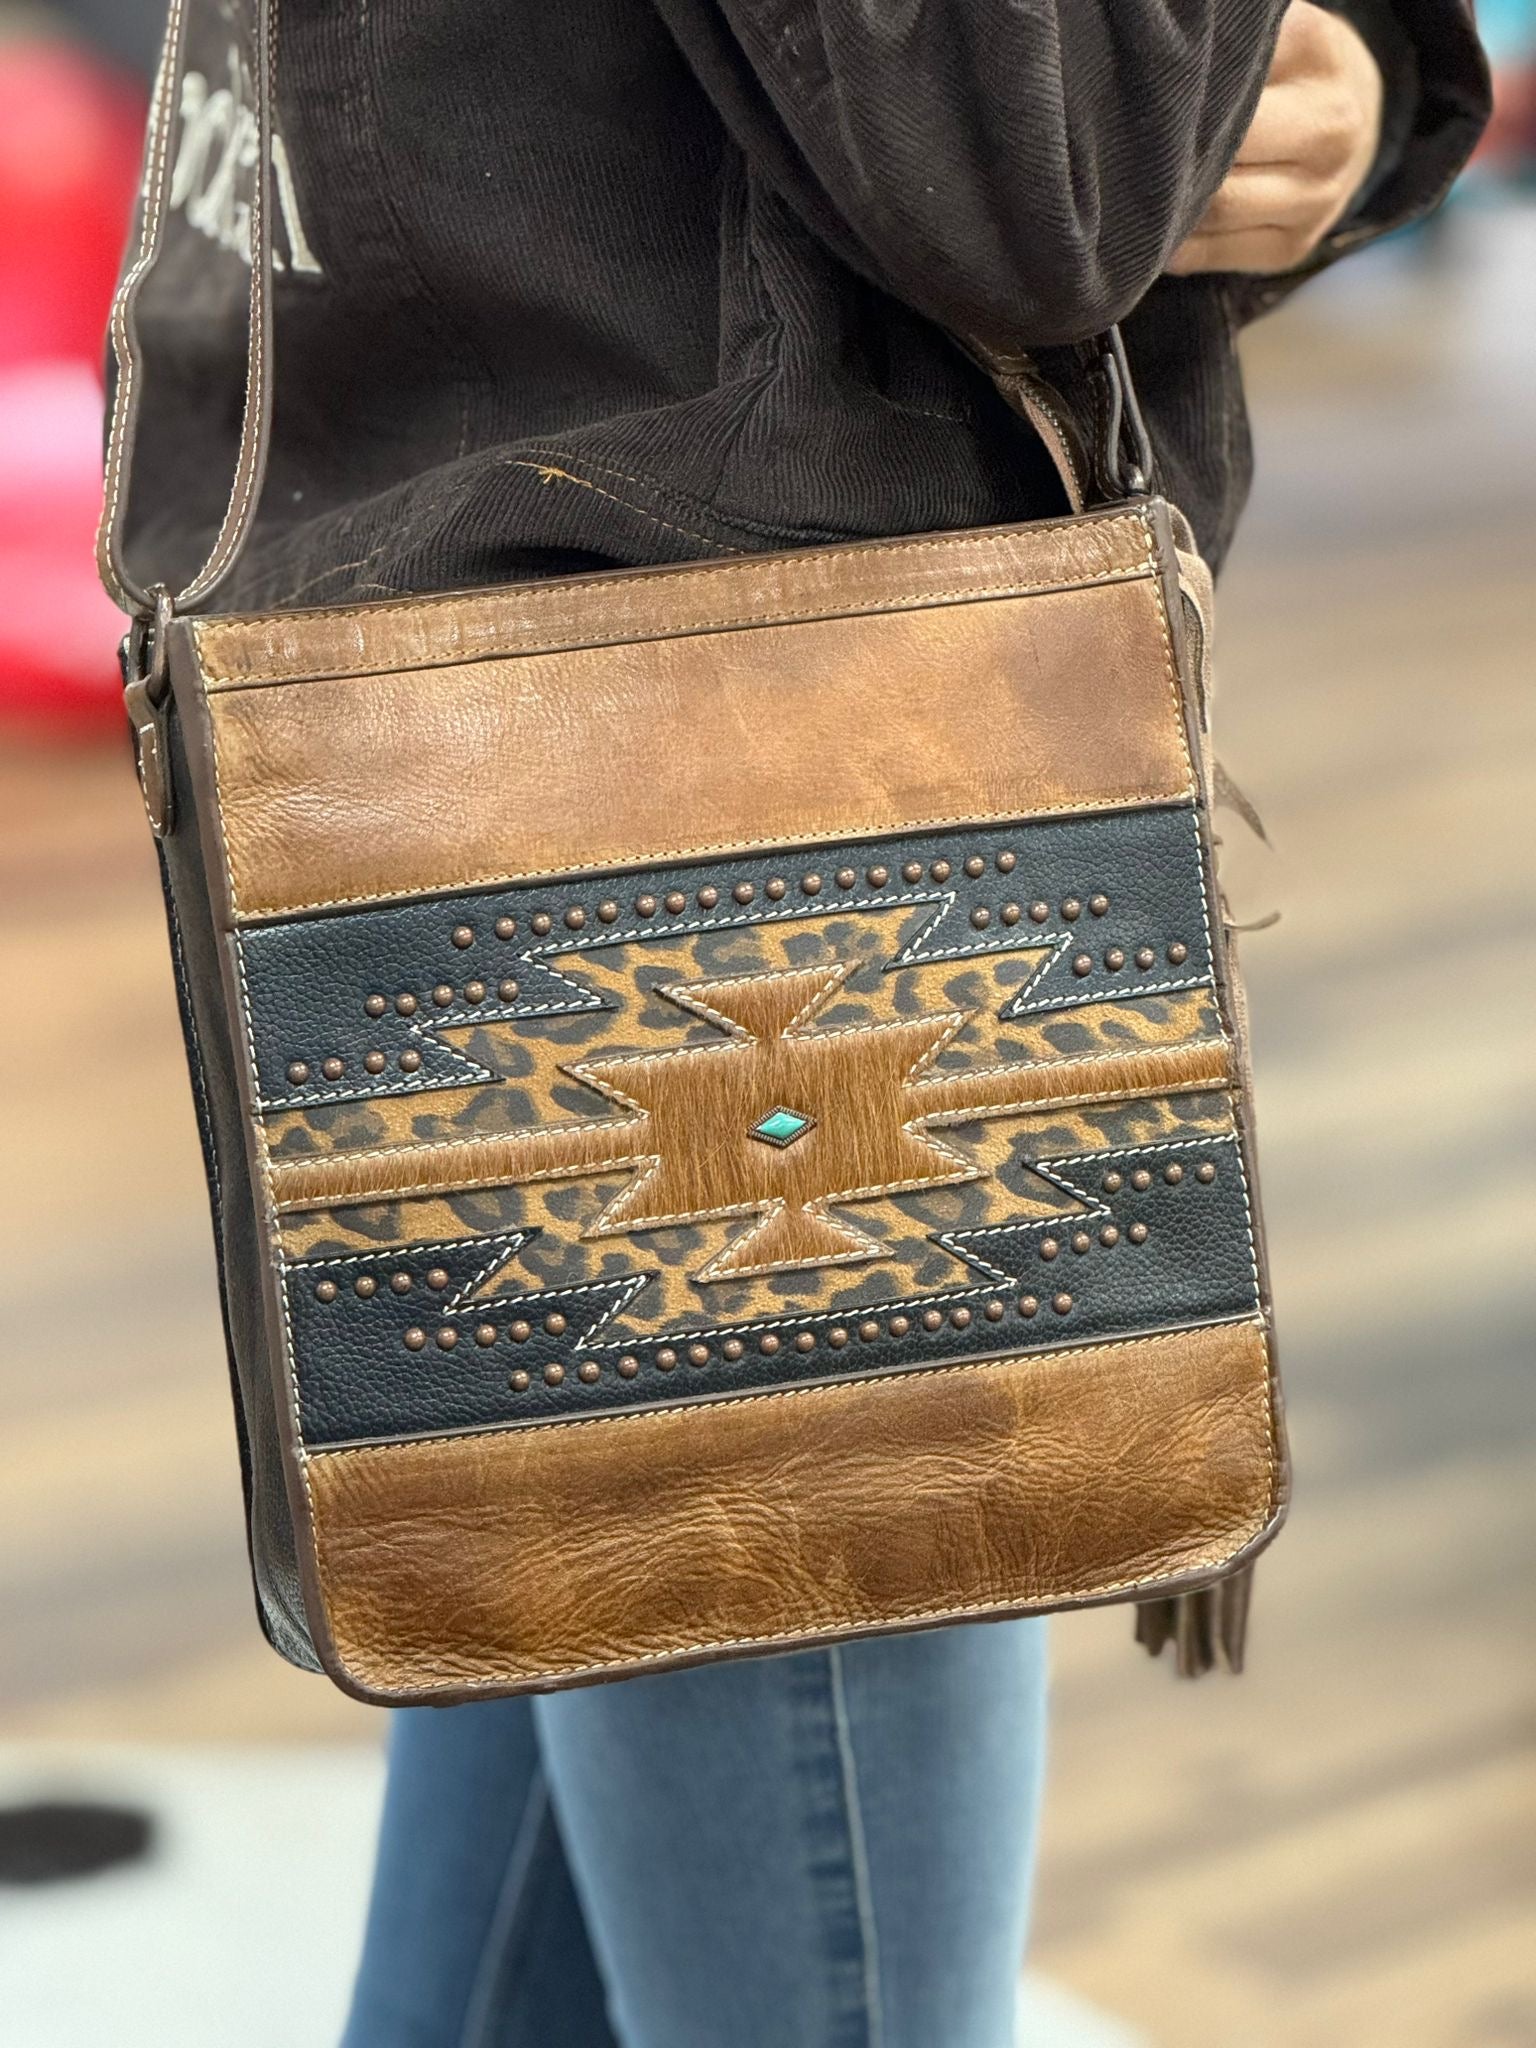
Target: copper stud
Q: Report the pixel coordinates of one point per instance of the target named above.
(1173, 1173)
(1049, 1248)
(1061, 1303)
(400, 1282)
(554, 1322)
(463, 935)
(899, 1326)
(1178, 952)
(438, 1278)
(912, 871)
(506, 927)
(743, 892)
(406, 1005)
(474, 991)
(1039, 912)
(415, 1340)
(628, 1367)
(805, 1341)
(1082, 965)
(878, 877)
(941, 871)
(298, 1072)
(1081, 1241)
(326, 1291)
(366, 1286)
(645, 906)
(447, 1338)
(732, 1349)
(518, 1381)
(811, 884)
(376, 1006)
(975, 866)
(666, 1358)
(608, 912)
(442, 995)
(374, 1062)
(768, 1345)
(774, 890)
(1071, 909)
(554, 1374)
(1011, 913)
(507, 991)
(1006, 863)
(698, 1354)
(1098, 904)
(868, 1332)
(589, 1370)
(1137, 1233)
(1145, 956)
(837, 1338)
(961, 1318)
(1141, 1180)
(1028, 1305)
(1109, 1235)
(994, 1311)
(846, 877)
(1206, 1172)
(485, 1333)
(541, 924)
(933, 1319)
(676, 902)
(981, 917)
(708, 898)
(333, 1069)
(520, 1332)
(1114, 959)
(1113, 1183)
(575, 918)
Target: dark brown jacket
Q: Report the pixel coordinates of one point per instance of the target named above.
(642, 280)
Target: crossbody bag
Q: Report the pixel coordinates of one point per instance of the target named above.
(723, 1087)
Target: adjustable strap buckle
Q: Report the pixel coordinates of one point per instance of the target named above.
(146, 696)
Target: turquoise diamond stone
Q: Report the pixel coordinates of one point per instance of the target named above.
(781, 1127)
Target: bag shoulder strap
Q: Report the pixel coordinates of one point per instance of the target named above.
(154, 211)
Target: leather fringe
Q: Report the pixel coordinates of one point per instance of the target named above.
(1207, 1629)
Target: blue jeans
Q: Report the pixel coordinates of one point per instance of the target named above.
(825, 1850)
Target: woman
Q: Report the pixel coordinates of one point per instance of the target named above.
(616, 282)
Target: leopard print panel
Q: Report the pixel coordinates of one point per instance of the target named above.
(491, 1299)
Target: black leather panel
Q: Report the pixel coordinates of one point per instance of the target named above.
(1147, 1239)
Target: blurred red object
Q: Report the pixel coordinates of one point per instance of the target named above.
(70, 138)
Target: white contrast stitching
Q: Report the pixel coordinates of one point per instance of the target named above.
(1183, 798)
(687, 1411)
(798, 557)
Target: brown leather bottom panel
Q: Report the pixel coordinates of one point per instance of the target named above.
(558, 1553)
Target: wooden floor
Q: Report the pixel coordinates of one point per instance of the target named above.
(1340, 1850)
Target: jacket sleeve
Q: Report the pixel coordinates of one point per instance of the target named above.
(1019, 170)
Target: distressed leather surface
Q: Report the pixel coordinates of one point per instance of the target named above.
(716, 1042)
(554, 1555)
(786, 730)
(587, 611)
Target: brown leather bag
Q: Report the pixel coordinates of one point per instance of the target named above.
(723, 1088)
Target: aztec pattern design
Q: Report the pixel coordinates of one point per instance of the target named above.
(562, 1148)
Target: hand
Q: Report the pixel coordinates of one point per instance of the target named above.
(1308, 151)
